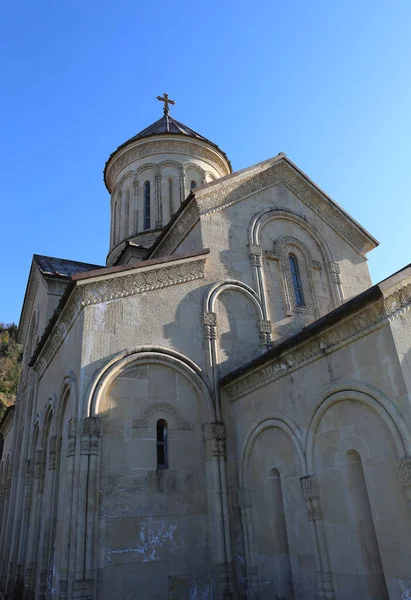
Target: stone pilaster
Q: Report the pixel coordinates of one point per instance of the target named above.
(159, 204)
(310, 491)
(244, 502)
(87, 510)
(135, 205)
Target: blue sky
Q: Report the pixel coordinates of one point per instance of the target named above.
(329, 83)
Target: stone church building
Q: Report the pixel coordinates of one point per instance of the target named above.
(222, 411)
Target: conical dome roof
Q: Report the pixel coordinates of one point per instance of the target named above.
(166, 126)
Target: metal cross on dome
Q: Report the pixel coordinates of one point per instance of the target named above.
(166, 103)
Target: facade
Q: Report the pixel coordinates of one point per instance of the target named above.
(223, 410)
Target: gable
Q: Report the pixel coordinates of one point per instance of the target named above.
(238, 187)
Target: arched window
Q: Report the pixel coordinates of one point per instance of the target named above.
(147, 205)
(170, 194)
(295, 274)
(193, 185)
(162, 444)
(115, 222)
(126, 212)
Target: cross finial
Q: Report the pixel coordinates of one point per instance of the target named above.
(166, 103)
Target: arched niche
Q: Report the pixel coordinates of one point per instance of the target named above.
(194, 176)
(170, 173)
(271, 465)
(161, 510)
(239, 323)
(354, 441)
(273, 235)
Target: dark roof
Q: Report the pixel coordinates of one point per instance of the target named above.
(60, 267)
(166, 126)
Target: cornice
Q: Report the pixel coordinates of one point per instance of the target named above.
(113, 287)
(163, 145)
(374, 315)
(232, 190)
(33, 282)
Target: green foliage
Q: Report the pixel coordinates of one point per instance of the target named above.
(10, 364)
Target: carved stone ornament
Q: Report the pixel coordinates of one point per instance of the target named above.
(404, 471)
(143, 281)
(143, 421)
(265, 326)
(166, 146)
(92, 426)
(326, 341)
(214, 431)
(335, 272)
(309, 487)
(256, 250)
(210, 318)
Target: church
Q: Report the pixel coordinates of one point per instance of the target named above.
(223, 409)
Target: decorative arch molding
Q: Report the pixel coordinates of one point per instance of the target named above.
(121, 182)
(278, 421)
(48, 420)
(68, 389)
(375, 400)
(170, 163)
(197, 168)
(263, 218)
(145, 167)
(291, 429)
(144, 420)
(283, 247)
(231, 284)
(145, 354)
(257, 224)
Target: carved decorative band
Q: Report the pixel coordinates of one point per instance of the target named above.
(328, 340)
(143, 421)
(118, 287)
(154, 279)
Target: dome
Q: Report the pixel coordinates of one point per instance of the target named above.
(167, 125)
(151, 174)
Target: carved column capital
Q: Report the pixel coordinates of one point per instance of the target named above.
(256, 254)
(404, 471)
(309, 488)
(210, 325)
(265, 332)
(335, 272)
(215, 435)
(90, 437)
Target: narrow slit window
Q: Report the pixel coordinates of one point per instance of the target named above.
(170, 194)
(162, 444)
(295, 275)
(147, 205)
(193, 185)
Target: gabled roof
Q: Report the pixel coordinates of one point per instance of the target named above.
(238, 186)
(47, 267)
(61, 267)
